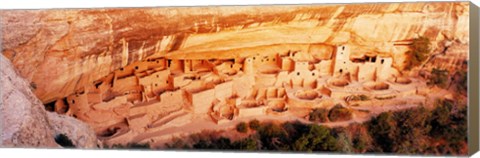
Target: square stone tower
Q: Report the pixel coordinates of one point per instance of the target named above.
(342, 60)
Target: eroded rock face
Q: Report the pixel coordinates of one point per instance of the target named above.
(24, 121)
(59, 51)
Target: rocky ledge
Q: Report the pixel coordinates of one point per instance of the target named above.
(26, 123)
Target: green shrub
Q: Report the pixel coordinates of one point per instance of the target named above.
(319, 115)
(383, 130)
(441, 118)
(246, 144)
(254, 124)
(131, 146)
(202, 144)
(316, 138)
(359, 143)
(242, 127)
(138, 146)
(272, 137)
(177, 144)
(410, 131)
(462, 82)
(439, 77)
(339, 113)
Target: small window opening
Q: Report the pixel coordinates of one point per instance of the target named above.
(98, 84)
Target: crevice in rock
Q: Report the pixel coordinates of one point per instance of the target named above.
(64, 141)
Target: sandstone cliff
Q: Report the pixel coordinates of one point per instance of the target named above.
(24, 121)
(59, 51)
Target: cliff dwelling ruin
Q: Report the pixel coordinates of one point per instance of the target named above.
(171, 90)
(149, 75)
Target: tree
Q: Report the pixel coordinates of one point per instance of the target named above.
(318, 138)
(177, 144)
(202, 144)
(221, 143)
(382, 129)
(359, 143)
(344, 143)
(218, 143)
(440, 118)
(272, 137)
(246, 144)
(413, 127)
(449, 127)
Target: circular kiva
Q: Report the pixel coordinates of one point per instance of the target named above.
(403, 80)
(338, 82)
(278, 106)
(306, 94)
(376, 85)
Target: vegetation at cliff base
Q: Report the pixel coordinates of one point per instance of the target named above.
(132, 146)
(254, 124)
(319, 115)
(242, 127)
(441, 130)
(337, 113)
(438, 77)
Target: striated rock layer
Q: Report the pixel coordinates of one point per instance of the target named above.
(59, 51)
(24, 121)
